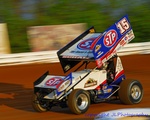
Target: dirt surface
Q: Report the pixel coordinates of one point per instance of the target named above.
(16, 89)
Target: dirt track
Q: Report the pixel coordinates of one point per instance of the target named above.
(16, 88)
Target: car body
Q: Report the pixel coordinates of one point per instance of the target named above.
(85, 85)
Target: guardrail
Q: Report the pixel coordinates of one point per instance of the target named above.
(135, 48)
(51, 56)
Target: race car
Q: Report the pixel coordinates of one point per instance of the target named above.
(84, 85)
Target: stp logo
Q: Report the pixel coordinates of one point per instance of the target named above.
(110, 38)
(86, 44)
(54, 81)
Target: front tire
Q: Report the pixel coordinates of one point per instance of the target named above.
(79, 101)
(131, 92)
(38, 104)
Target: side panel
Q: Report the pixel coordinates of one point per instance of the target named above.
(113, 39)
(119, 66)
(70, 55)
(94, 79)
(119, 73)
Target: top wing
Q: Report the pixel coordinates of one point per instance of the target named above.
(93, 46)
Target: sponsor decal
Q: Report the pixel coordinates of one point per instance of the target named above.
(67, 67)
(107, 90)
(123, 42)
(64, 85)
(54, 81)
(77, 51)
(75, 57)
(110, 38)
(92, 31)
(130, 35)
(99, 63)
(90, 82)
(119, 66)
(99, 54)
(97, 48)
(86, 44)
(77, 79)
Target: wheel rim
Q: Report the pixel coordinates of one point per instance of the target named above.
(82, 101)
(135, 92)
(41, 102)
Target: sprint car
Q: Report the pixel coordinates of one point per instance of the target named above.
(84, 85)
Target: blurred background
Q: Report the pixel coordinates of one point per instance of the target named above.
(19, 15)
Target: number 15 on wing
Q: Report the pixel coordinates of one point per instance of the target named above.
(123, 25)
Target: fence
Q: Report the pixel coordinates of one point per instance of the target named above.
(51, 56)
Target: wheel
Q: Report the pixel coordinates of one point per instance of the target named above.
(39, 104)
(130, 92)
(78, 101)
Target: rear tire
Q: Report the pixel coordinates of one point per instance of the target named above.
(130, 92)
(79, 101)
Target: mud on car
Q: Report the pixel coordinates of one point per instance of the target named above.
(84, 85)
